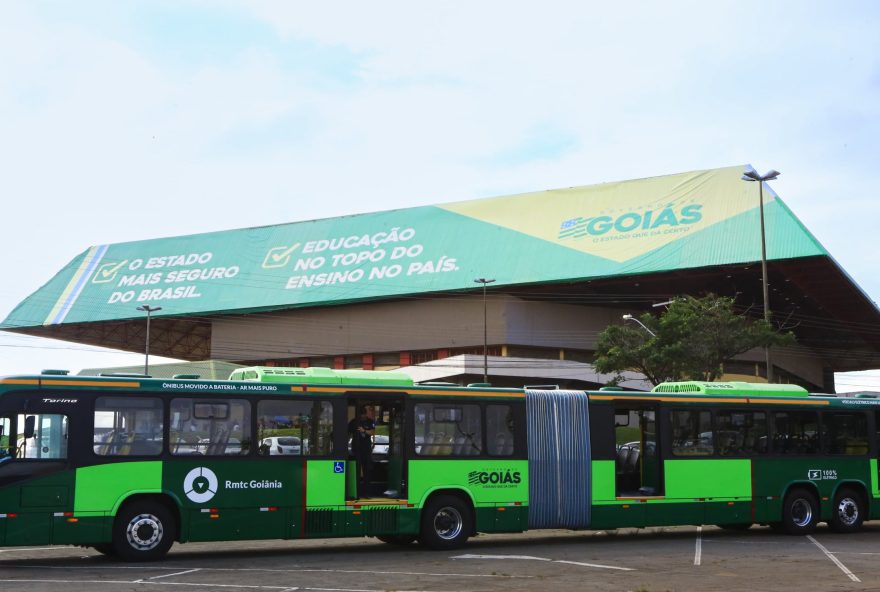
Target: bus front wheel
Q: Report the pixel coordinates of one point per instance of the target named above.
(446, 523)
(143, 531)
(848, 511)
(800, 512)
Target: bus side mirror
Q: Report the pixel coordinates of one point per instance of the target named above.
(29, 424)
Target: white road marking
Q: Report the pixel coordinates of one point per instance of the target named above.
(179, 573)
(247, 586)
(600, 566)
(257, 569)
(836, 561)
(360, 590)
(728, 541)
(698, 551)
(14, 549)
(547, 559)
(511, 557)
(148, 583)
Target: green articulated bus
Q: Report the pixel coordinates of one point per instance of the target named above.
(128, 464)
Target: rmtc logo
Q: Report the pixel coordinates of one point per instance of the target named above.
(495, 477)
(647, 221)
(200, 484)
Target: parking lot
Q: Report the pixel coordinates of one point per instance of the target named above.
(681, 558)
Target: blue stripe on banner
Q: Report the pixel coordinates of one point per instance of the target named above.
(80, 285)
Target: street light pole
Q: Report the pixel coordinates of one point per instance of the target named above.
(148, 309)
(484, 281)
(629, 317)
(753, 176)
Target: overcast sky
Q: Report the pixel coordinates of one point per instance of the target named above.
(124, 120)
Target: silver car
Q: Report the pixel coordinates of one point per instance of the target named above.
(281, 445)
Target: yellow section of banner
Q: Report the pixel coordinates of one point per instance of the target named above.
(619, 221)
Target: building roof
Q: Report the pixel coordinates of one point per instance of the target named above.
(688, 220)
(662, 229)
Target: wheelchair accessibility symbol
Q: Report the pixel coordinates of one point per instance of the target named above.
(339, 466)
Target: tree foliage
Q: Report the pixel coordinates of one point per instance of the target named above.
(691, 340)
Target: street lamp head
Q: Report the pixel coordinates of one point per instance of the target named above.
(483, 281)
(752, 175)
(148, 308)
(627, 317)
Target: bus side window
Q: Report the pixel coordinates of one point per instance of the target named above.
(844, 433)
(741, 433)
(294, 428)
(128, 426)
(5, 437)
(499, 430)
(795, 432)
(210, 427)
(447, 430)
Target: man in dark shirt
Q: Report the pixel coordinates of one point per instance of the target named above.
(361, 430)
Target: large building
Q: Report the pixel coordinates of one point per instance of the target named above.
(397, 289)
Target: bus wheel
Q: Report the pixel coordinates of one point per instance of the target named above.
(397, 539)
(800, 512)
(143, 531)
(848, 511)
(446, 523)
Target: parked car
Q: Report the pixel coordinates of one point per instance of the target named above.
(233, 446)
(380, 447)
(281, 445)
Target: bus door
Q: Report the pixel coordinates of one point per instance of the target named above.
(639, 469)
(877, 438)
(33, 466)
(377, 459)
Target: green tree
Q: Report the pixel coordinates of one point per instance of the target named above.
(691, 340)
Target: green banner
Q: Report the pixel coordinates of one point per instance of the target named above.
(680, 221)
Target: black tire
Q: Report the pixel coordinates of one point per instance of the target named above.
(143, 531)
(800, 512)
(446, 523)
(104, 549)
(741, 526)
(400, 540)
(848, 511)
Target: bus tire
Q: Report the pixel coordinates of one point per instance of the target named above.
(400, 540)
(143, 531)
(105, 549)
(848, 511)
(800, 512)
(446, 523)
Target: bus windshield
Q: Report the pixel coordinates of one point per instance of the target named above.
(40, 436)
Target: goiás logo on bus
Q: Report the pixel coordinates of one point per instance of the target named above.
(495, 479)
(633, 224)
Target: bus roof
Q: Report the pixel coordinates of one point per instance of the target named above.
(318, 375)
(749, 389)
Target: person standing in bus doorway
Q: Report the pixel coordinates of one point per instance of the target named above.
(361, 429)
